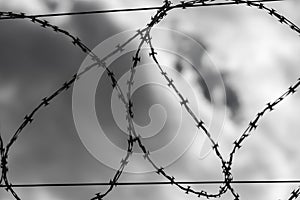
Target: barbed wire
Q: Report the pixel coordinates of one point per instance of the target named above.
(28, 119)
(159, 170)
(86, 184)
(226, 165)
(200, 124)
(135, 137)
(132, 9)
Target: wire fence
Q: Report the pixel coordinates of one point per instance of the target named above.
(134, 138)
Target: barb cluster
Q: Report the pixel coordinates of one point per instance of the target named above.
(133, 136)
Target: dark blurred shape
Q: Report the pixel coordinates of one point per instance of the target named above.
(205, 75)
(204, 88)
(51, 4)
(178, 66)
(232, 99)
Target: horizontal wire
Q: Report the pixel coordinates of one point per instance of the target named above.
(136, 9)
(151, 183)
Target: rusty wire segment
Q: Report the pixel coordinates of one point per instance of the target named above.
(134, 137)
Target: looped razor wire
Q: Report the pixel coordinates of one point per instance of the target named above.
(146, 38)
(134, 137)
(226, 165)
(47, 100)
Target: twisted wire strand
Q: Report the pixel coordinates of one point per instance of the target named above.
(160, 170)
(4, 151)
(270, 106)
(184, 102)
(130, 10)
(133, 136)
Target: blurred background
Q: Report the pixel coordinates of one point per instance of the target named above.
(257, 57)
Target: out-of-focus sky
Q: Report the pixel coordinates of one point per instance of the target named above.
(259, 56)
